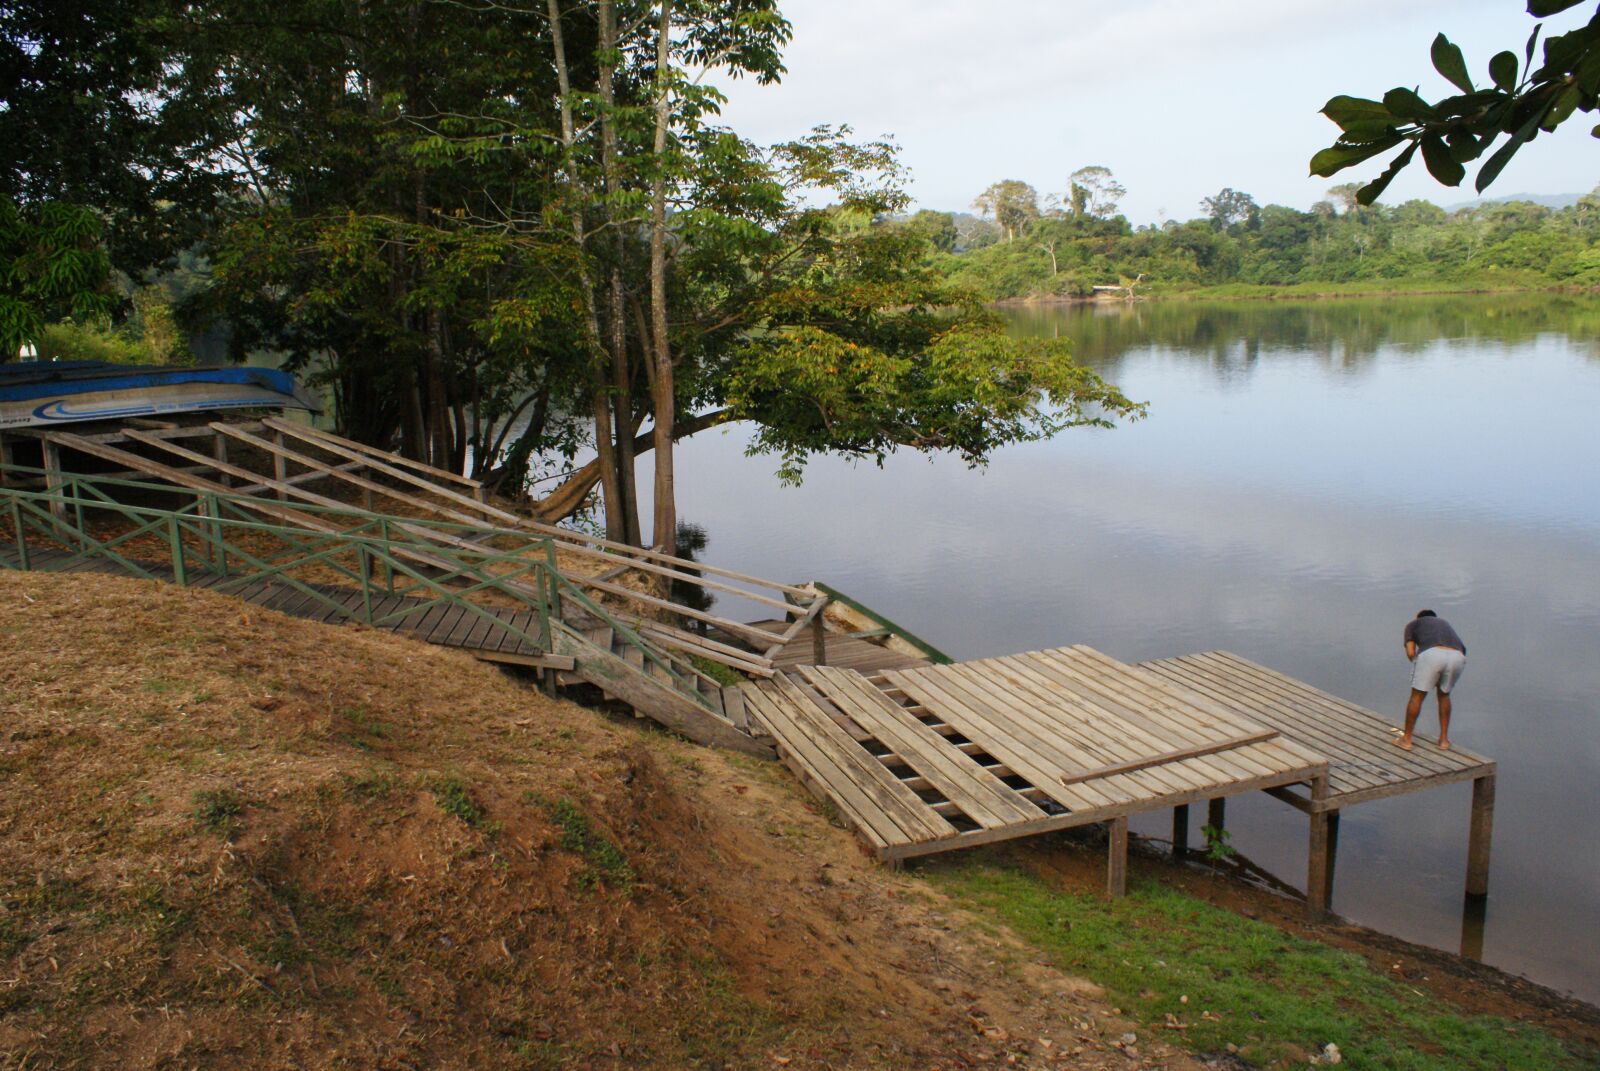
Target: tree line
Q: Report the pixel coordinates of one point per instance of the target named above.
(1021, 245)
(500, 234)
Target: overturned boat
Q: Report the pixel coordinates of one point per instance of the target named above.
(46, 394)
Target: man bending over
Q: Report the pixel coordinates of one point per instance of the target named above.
(1439, 658)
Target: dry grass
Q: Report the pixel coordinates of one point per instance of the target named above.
(233, 839)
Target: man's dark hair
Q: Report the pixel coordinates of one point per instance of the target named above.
(1426, 613)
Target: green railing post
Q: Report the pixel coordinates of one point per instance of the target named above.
(22, 541)
(175, 538)
(555, 574)
(388, 551)
(220, 548)
(77, 506)
(365, 557)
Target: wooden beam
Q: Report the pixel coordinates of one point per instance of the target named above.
(1482, 829)
(1333, 857)
(386, 456)
(1117, 857)
(1318, 880)
(52, 476)
(819, 641)
(1165, 757)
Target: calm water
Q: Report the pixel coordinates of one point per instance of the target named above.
(1309, 476)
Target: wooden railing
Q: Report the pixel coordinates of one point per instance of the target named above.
(321, 552)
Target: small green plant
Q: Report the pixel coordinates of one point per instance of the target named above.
(369, 787)
(1218, 850)
(454, 799)
(606, 863)
(723, 675)
(215, 810)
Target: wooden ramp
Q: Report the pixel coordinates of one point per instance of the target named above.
(937, 758)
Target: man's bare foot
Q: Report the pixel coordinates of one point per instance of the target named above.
(1444, 745)
(1403, 743)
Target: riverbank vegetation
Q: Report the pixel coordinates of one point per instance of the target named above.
(1066, 245)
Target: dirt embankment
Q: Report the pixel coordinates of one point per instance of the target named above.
(231, 839)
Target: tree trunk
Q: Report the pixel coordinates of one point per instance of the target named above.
(604, 444)
(665, 526)
(621, 370)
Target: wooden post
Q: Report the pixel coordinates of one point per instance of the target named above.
(52, 478)
(1474, 919)
(219, 450)
(280, 465)
(5, 457)
(366, 492)
(1333, 858)
(819, 642)
(1317, 853)
(1180, 831)
(1117, 859)
(1478, 837)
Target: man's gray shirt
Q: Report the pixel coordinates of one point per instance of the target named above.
(1428, 632)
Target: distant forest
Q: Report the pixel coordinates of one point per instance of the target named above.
(1018, 245)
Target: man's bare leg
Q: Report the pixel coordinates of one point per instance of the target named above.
(1413, 708)
(1444, 719)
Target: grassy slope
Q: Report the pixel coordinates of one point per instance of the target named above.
(1220, 979)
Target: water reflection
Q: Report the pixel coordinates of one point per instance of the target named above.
(1344, 336)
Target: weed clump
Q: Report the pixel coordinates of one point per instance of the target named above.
(215, 810)
(606, 863)
(456, 800)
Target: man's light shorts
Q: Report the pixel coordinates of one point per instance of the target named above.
(1437, 667)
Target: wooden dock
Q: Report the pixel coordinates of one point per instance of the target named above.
(939, 758)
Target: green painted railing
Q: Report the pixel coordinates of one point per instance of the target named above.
(244, 540)
(885, 626)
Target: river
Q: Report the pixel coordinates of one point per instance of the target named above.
(1310, 475)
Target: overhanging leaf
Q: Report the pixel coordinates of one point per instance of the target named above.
(1336, 158)
(1541, 8)
(1343, 110)
(1448, 61)
(1442, 165)
(1374, 189)
(1405, 104)
(1503, 70)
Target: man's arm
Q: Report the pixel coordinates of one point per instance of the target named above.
(1411, 650)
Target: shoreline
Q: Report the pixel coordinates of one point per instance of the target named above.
(1287, 292)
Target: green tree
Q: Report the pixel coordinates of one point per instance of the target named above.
(939, 228)
(52, 265)
(1013, 204)
(1520, 100)
(1229, 207)
(1093, 192)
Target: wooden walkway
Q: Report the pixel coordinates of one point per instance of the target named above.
(937, 758)
(489, 635)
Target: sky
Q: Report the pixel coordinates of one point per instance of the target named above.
(1179, 98)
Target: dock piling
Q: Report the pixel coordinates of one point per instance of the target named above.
(1478, 836)
(1117, 857)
